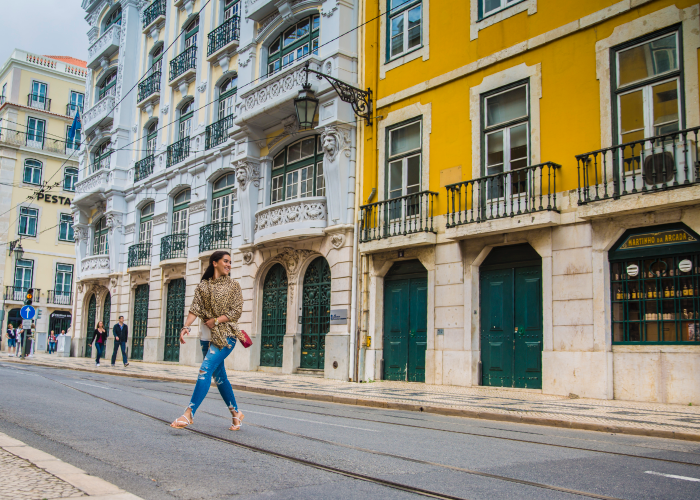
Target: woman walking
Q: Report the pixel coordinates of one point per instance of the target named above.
(52, 342)
(218, 303)
(99, 339)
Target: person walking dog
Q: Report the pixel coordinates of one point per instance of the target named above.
(218, 303)
(121, 335)
(99, 339)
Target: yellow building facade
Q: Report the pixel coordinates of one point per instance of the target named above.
(530, 209)
(39, 97)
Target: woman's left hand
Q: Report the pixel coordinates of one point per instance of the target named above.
(210, 323)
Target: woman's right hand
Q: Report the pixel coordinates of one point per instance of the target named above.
(183, 332)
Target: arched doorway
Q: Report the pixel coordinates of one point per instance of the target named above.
(60, 320)
(274, 316)
(511, 317)
(90, 325)
(174, 319)
(14, 318)
(405, 321)
(140, 322)
(316, 313)
(106, 311)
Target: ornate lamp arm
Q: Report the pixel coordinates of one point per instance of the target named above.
(361, 100)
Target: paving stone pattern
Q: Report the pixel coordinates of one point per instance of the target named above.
(22, 480)
(513, 402)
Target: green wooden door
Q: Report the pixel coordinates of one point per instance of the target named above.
(511, 327)
(274, 316)
(140, 322)
(106, 312)
(174, 319)
(316, 313)
(405, 329)
(396, 328)
(91, 323)
(528, 328)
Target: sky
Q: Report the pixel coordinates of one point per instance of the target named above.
(43, 27)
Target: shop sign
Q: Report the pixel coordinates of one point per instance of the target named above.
(339, 316)
(662, 238)
(52, 198)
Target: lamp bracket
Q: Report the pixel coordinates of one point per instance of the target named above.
(361, 100)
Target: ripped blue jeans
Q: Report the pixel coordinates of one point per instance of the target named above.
(213, 366)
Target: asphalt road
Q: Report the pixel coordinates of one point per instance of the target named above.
(115, 428)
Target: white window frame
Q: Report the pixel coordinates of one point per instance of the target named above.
(37, 140)
(181, 219)
(66, 219)
(34, 168)
(70, 177)
(62, 286)
(21, 264)
(277, 186)
(412, 5)
(26, 216)
(387, 63)
(38, 99)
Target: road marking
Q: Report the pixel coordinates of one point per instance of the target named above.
(312, 421)
(99, 386)
(673, 476)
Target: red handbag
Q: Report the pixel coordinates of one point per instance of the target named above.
(246, 342)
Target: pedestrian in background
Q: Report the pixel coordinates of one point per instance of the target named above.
(20, 341)
(121, 335)
(99, 339)
(11, 340)
(218, 303)
(52, 342)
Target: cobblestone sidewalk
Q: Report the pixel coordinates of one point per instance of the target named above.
(30, 474)
(652, 419)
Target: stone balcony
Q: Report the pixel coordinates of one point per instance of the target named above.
(94, 266)
(99, 114)
(260, 9)
(92, 186)
(100, 51)
(298, 219)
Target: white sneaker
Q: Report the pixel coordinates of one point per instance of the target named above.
(97, 364)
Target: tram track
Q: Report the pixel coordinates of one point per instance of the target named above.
(339, 471)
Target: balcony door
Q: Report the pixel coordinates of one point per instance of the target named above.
(649, 110)
(185, 125)
(24, 272)
(191, 33)
(76, 103)
(146, 223)
(64, 284)
(232, 8)
(181, 212)
(35, 132)
(403, 175)
(38, 97)
(222, 203)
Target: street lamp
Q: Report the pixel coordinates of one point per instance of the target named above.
(306, 103)
(16, 247)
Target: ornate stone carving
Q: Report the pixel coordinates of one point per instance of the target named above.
(160, 219)
(248, 257)
(202, 87)
(334, 141)
(164, 110)
(98, 263)
(329, 12)
(337, 240)
(244, 61)
(113, 281)
(198, 206)
(279, 85)
(290, 213)
(80, 288)
(247, 173)
(112, 35)
(91, 183)
(130, 228)
(291, 259)
(267, 21)
(114, 222)
(98, 111)
(79, 234)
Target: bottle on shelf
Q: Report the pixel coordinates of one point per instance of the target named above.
(634, 293)
(673, 291)
(685, 290)
(667, 293)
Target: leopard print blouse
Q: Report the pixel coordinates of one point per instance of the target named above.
(219, 297)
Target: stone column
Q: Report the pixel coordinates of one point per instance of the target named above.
(248, 177)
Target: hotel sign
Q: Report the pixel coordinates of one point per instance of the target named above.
(661, 238)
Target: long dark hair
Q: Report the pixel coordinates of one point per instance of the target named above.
(215, 257)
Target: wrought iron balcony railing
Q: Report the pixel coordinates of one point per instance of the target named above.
(178, 151)
(183, 62)
(139, 255)
(217, 132)
(223, 35)
(521, 191)
(59, 297)
(215, 236)
(143, 168)
(19, 293)
(173, 246)
(408, 214)
(101, 162)
(72, 108)
(38, 101)
(149, 86)
(151, 13)
(36, 140)
(646, 166)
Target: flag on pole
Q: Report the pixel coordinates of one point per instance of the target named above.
(75, 127)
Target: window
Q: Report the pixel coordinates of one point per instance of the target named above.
(295, 171)
(181, 204)
(35, 132)
(73, 145)
(506, 138)
(151, 138)
(295, 43)
(146, 226)
(70, 177)
(227, 97)
(108, 86)
(38, 96)
(28, 221)
(115, 17)
(191, 33)
(404, 160)
(101, 157)
(65, 228)
(100, 244)
(32, 172)
(24, 270)
(222, 204)
(405, 18)
(232, 8)
(64, 283)
(186, 114)
(488, 7)
(75, 103)
(157, 59)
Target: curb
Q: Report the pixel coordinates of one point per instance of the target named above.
(437, 410)
(92, 486)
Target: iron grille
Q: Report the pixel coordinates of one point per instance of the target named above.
(143, 168)
(215, 236)
(408, 214)
(228, 32)
(178, 151)
(173, 246)
(217, 132)
(149, 86)
(185, 61)
(140, 255)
